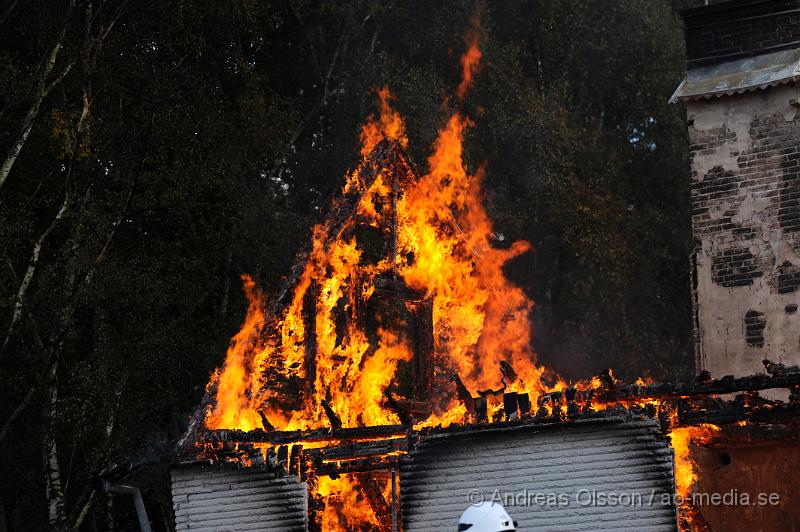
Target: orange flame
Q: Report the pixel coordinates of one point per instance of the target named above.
(469, 61)
(235, 406)
(445, 250)
(685, 470)
(389, 124)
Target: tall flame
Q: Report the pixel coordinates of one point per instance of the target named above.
(444, 250)
(235, 406)
(388, 124)
(685, 467)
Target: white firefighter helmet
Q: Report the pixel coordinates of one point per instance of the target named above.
(486, 516)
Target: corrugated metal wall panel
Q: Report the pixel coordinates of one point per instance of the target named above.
(212, 499)
(627, 458)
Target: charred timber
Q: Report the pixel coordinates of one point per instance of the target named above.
(382, 511)
(463, 393)
(731, 413)
(309, 315)
(336, 422)
(402, 412)
(759, 431)
(386, 154)
(634, 392)
(353, 450)
(362, 465)
(424, 359)
(295, 436)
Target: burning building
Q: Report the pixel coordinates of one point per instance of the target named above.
(390, 382)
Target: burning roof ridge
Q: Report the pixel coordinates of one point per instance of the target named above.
(342, 206)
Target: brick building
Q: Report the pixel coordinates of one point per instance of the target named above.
(742, 101)
(743, 114)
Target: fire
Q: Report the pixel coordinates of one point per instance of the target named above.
(470, 60)
(388, 124)
(337, 494)
(236, 405)
(685, 471)
(454, 415)
(340, 351)
(348, 354)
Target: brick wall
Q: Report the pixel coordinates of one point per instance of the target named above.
(732, 30)
(745, 170)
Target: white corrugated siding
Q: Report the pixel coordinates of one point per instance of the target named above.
(609, 457)
(213, 499)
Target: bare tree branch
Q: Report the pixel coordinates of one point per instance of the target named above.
(26, 400)
(8, 12)
(346, 37)
(58, 79)
(42, 89)
(22, 291)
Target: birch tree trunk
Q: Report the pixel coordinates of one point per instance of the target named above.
(43, 88)
(22, 291)
(56, 508)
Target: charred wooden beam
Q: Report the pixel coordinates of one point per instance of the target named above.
(760, 431)
(296, 436)
(509, 375)
(353, 450)
(309, 314)
(511, 405)
(463, 394)
(569, 395)
(424, 352)
(395, 195)
(481, 409)
(383, 513)
(661, 391)
(794, 394)
(732, 412)
(607, 380)
(524, 401)
(268, 427)
(362, 465)
(402, 413)
(778, 369)
(390, 286)
(295, 460)
(283, 457)
(336, 422)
